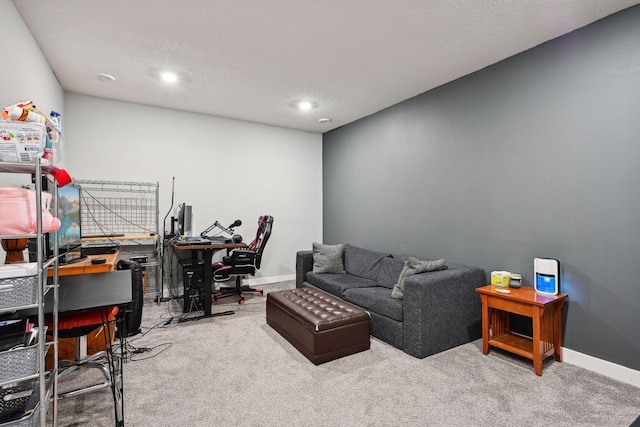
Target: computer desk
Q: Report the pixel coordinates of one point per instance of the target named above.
(91, 292)
(81, 292)
(207, 252)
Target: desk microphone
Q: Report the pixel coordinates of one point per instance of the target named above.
(236, 223)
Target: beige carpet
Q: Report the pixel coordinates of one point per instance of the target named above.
(237, 371)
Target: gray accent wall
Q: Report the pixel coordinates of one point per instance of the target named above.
(536, 156)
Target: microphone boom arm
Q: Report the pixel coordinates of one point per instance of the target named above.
(227, 230)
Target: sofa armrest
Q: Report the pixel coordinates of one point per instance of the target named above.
(442, 309)
(304, 264)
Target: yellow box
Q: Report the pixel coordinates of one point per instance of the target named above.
(500, 278)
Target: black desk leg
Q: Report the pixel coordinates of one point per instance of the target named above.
(207, 257)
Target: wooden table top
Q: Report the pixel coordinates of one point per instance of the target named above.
(524, 294)
(86, 267)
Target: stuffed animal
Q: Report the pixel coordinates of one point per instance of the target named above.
(18, 212)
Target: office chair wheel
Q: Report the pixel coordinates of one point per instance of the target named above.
(260, 292)
(241, 299)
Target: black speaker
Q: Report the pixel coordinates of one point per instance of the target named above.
(133, 313)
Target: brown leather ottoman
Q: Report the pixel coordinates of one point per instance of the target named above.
(320, 326)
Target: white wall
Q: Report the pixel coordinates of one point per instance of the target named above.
(24, 73)
(226, 169)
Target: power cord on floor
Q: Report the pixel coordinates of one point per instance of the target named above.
(133, 353)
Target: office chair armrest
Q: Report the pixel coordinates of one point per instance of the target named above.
(243, 253)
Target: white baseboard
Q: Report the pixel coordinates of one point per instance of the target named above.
(603, 367)
(255, 281)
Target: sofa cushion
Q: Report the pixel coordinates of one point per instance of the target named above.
(389, 273)
(377, 300)
(414, 266)
(336, 284)
(362, 262)
(328, 258)
(402, 257)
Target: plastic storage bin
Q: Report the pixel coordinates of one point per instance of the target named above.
(13, 403)
(21, 142)
(18, 285)
(18, 363)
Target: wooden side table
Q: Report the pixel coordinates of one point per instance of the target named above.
(544, 310)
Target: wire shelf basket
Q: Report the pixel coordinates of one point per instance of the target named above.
(126, 212)
(112, 208)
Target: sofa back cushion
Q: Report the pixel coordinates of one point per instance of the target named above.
(415, 266)
(390, 269)
(328, 258)
(362, 262)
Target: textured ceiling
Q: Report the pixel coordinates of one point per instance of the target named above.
(253, 60)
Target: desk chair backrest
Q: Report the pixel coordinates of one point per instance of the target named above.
(265, 222)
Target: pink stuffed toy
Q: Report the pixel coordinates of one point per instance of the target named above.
(18, 212)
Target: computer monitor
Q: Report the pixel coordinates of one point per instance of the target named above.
(70, 231)
(184, 218)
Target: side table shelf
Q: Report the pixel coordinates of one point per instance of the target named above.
(545, 312)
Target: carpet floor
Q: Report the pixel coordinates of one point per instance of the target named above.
(237, 371)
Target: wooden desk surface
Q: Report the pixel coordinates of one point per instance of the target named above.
(85, 267)
(123, 237)
(216, 246)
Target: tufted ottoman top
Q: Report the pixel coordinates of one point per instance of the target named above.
(316, 309)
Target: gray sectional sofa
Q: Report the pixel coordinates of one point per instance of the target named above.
(439, 309)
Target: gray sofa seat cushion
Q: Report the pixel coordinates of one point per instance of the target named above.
(336, 284)
(362, 262)
(390, 269)
(377, 300)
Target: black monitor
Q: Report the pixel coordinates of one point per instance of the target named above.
(184, 217)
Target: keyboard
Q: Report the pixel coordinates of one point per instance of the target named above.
(189, 241)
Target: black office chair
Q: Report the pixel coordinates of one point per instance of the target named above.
(241, 262)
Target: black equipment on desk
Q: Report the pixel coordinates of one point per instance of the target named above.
(98, 248)
(190, 241)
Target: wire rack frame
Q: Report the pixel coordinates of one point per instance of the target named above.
(116, 207)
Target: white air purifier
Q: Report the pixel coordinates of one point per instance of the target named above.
(546, 276)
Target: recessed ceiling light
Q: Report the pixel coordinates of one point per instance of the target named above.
(104, 77)
(324, 120)
(305, 105)
(169, 77)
